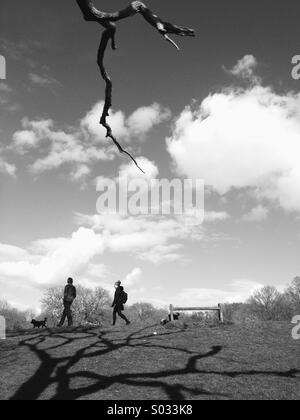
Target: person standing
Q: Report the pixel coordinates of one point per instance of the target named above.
(70, 294)
(120, 299)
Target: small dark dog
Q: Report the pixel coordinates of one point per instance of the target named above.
(168, 319)
(39, 324)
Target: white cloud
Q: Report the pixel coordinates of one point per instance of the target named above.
(163, 254)
(138, 124)
(94, 275)
(215, 216)
(151, 238)
(4, 88)
(149, 234)
(145, 118)
(5, 92)
(90, 124)
(20, 51)
(82, 171)
(42, 80)
(245, 69)
(12, 253)
(6, 95)
(257, 214)
(242, 138)
(5, 167)
(59, 148)
(53, 260)
(38, 126)
(26, 274)
(133, 278)
(128, 171)
(25, 51)
(48, 262)
(237, 292)
(25, 140)
(80, 147)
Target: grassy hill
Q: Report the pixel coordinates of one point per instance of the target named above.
(185, 362)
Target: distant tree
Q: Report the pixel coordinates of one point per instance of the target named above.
(267, 303)
(15, 319)
(146, 312)
(3, 306)
(292, 296)
(232, 312)
(89, 306)
(142, 311)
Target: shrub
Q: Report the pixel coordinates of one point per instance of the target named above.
(292, 298)
(89, 306)
(15, 319)
(145, 313)
(267, 304)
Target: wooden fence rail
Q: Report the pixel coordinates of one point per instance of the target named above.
(219, 309)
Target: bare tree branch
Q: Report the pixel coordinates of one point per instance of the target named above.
(107, 20)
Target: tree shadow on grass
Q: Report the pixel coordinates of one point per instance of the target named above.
(60, 373)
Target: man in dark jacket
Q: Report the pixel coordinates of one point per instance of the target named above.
(69, 297)
(118, 303)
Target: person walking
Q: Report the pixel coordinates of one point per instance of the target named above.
(70, 294)
(120, 299)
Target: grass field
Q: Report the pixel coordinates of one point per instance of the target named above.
(186, 362)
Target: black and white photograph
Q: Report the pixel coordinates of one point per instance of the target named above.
(149, 203)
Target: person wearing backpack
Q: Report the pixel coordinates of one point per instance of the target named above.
(120, 299)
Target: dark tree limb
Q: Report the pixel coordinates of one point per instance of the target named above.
(107, 20)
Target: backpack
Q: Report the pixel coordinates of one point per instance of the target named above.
(124, 298)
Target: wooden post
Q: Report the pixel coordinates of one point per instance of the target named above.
(221, 315)
(172, 312)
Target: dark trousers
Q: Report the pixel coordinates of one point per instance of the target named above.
(118, 311)
(67, 314)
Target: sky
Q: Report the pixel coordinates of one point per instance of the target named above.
(224, 109)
